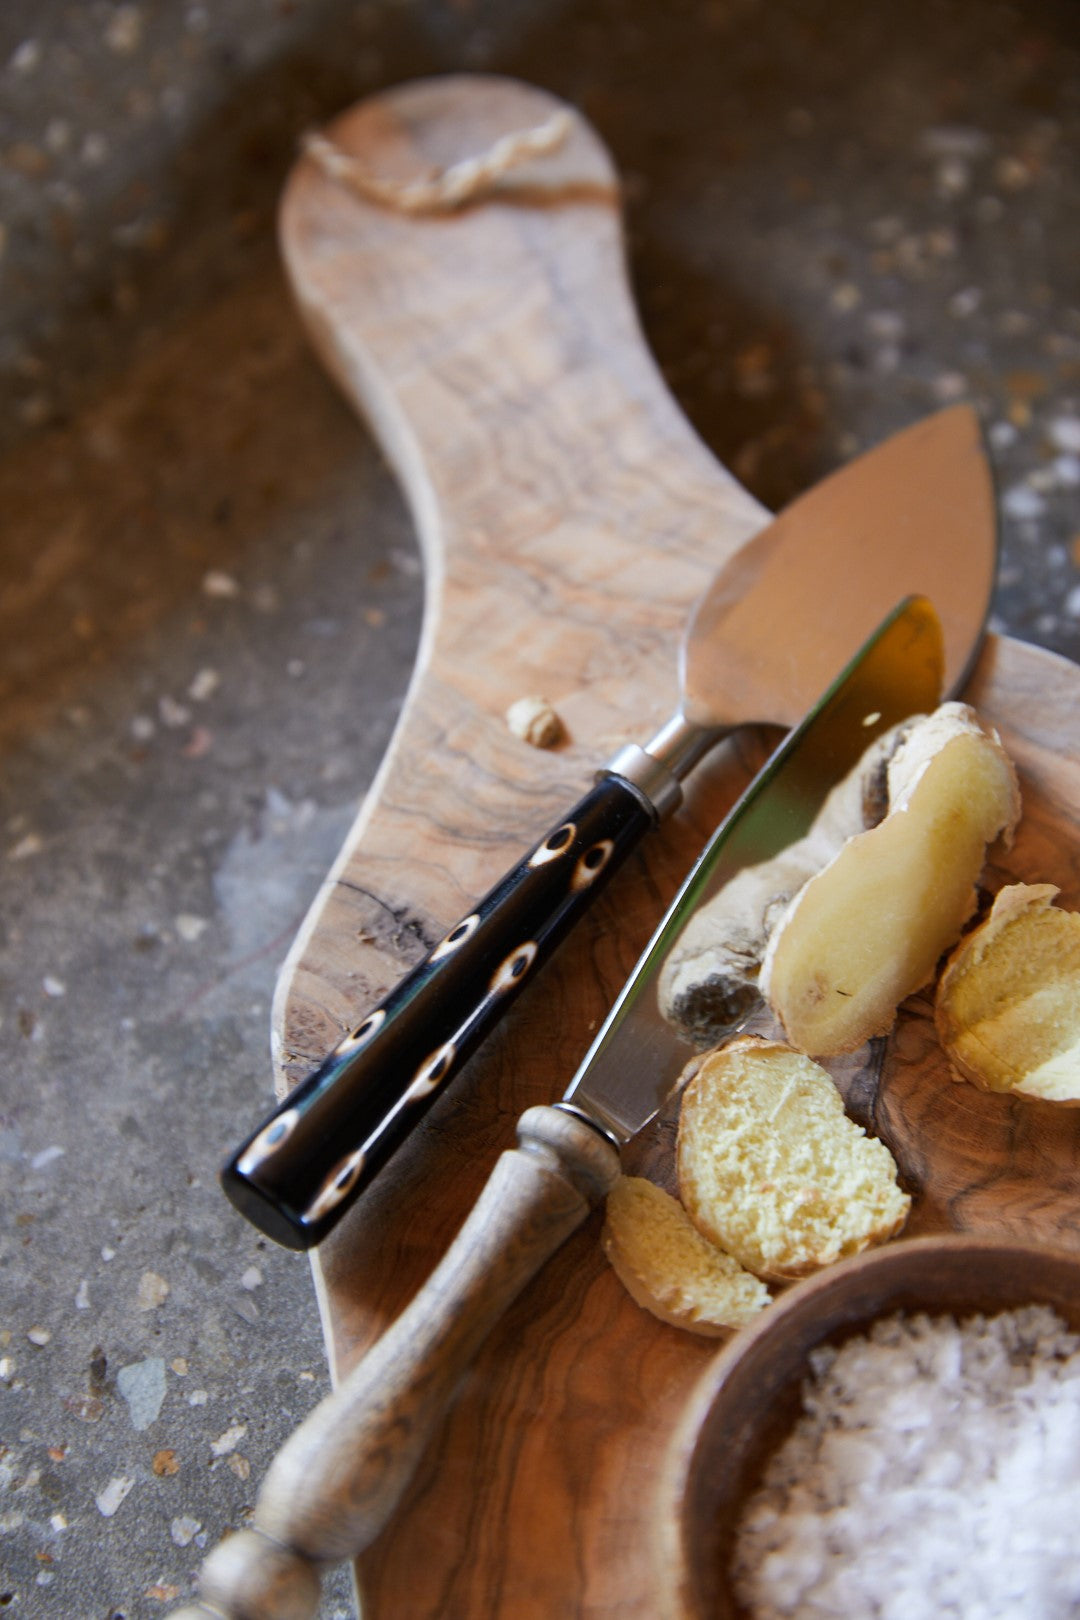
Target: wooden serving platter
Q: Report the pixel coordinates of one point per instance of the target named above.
(568, 518)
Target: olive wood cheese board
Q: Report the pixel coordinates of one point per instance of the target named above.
(568, 518)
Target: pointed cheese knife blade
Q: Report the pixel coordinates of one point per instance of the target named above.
(350, 1461)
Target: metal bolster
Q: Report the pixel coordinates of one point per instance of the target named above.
(600, 1127)
(650, 778)
(655, 771)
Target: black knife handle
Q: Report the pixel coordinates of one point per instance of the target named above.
(310, 1159)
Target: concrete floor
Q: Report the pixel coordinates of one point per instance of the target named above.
(841, 215)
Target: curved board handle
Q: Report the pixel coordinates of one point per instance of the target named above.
(568, 517)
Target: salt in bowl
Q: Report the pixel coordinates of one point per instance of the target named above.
(749, 1397)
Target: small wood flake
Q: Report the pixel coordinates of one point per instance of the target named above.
(535, 721)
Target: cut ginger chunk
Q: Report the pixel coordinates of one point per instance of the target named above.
(669, 1268)
(868, 930)
(773, 1171)
(1008, 1003)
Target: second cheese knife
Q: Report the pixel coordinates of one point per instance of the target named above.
(336, 1482)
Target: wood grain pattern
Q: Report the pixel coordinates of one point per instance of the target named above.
(568, 518)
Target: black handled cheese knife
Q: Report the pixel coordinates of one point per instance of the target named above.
(914, 515)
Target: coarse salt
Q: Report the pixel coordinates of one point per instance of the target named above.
(935, 1470)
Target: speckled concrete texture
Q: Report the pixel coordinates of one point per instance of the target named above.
(841, 215)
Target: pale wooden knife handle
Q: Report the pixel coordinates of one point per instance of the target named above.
(337, 1480)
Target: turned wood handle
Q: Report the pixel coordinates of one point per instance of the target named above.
(308, 1161)
(337, 1480)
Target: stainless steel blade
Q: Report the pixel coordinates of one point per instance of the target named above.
(635, 1060)
(915, 515)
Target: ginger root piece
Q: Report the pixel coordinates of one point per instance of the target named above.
(669, 1269)
(773, 1171)
(710, 978)
(1008, 1003)
(869, 928)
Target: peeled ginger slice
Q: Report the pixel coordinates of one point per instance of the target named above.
(1008, 1004)
(666, 1265)
(869, 929)
(773, 1171)
(709, 980)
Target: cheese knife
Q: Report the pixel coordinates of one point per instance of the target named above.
(916, 514)
(337, 1481)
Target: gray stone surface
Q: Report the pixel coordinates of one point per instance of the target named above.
(841, 216)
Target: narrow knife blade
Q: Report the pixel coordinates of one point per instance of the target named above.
(629, 1071)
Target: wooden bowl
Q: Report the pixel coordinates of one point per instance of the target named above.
(748, 1398)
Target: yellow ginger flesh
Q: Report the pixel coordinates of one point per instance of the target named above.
(669, 1268)
(869, 929)
(1008, 1004)
(773, 1171)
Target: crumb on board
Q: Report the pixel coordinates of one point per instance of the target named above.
(535, 721)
